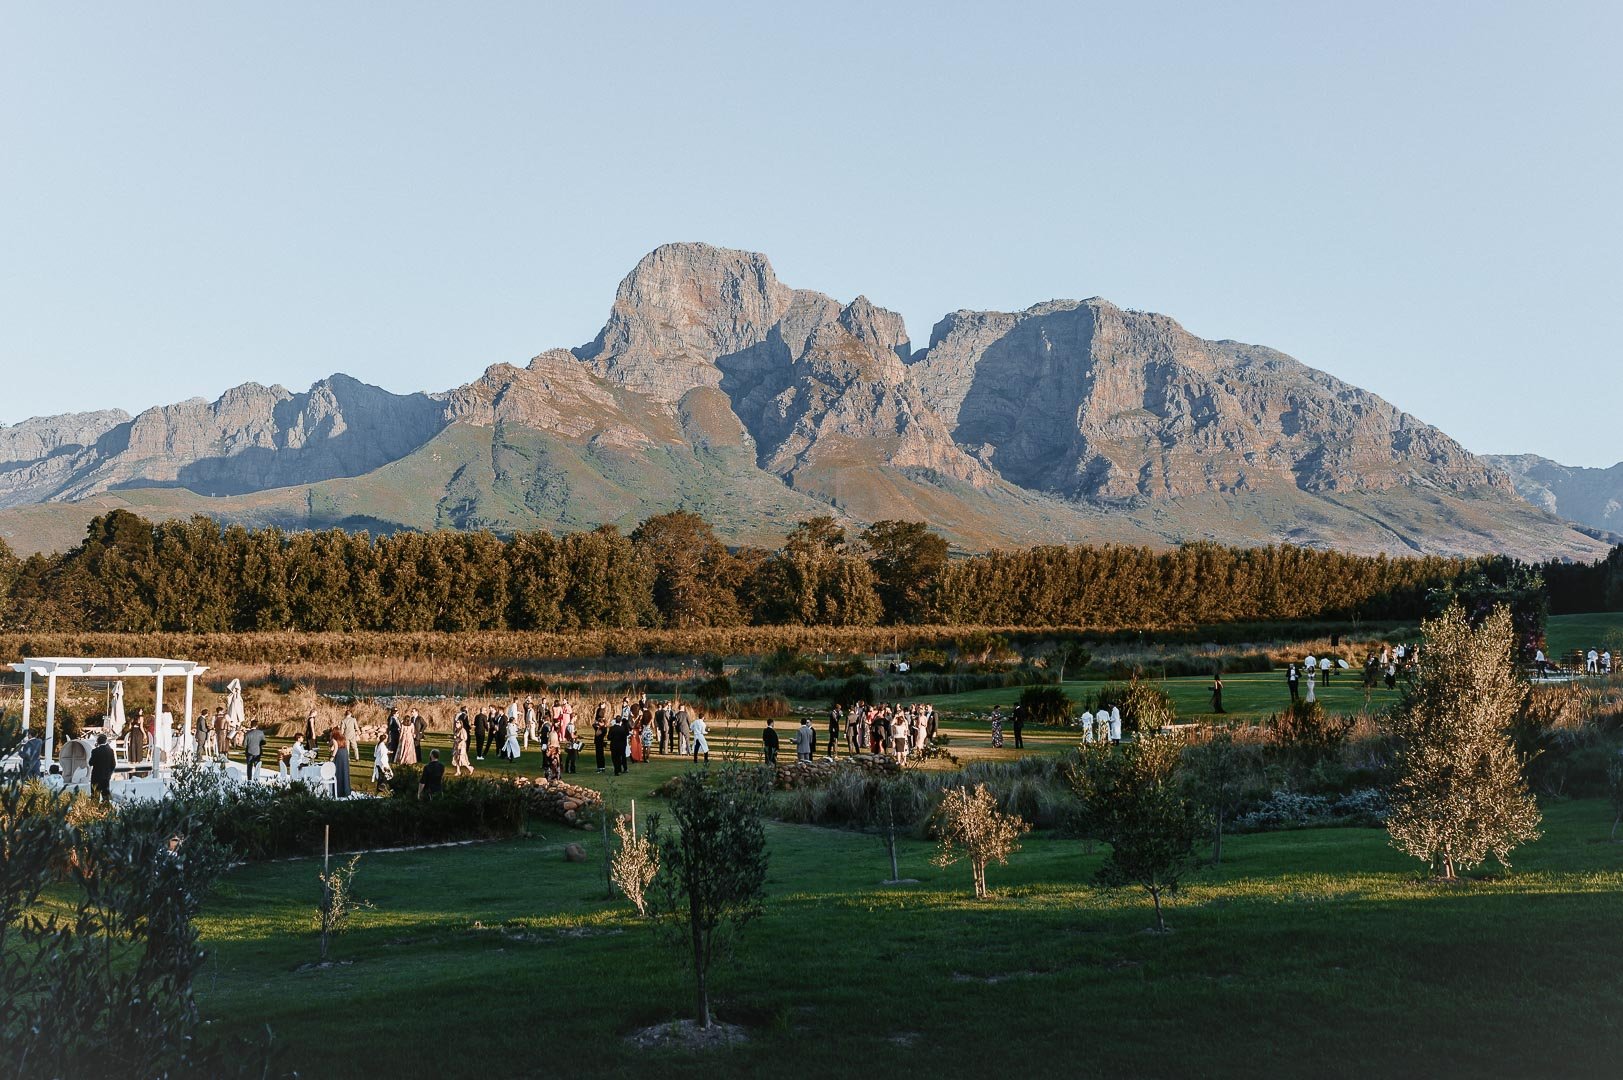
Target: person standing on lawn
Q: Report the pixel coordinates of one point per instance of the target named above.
(835, 719)
(684, 729)
(430, 783)
(481, 733)
(619, 740)
(1019, 725)
(805, 740)
(340, 762)
(381, 772)
(701, 744)
(1217, 693)
(102, 763)
(600, 732)
(351, 729)
(1292, 678)
(769, 742)
(459, 745)
(253, 748)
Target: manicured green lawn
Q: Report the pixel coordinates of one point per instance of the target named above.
(1563, 633)
(1314, 953)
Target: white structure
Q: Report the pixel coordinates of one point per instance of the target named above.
(52, 668)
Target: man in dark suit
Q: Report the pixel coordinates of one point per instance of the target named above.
(480, 733)
(619, 734)
(769, 740)
(102, 763)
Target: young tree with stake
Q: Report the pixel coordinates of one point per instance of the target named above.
(712, 867)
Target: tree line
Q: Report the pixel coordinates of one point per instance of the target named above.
(672, 571)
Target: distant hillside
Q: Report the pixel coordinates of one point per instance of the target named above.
(1592, 497)
(716, 388)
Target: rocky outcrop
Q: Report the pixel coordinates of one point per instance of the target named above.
(252, 438)
(1088, 401)
(1592, 497)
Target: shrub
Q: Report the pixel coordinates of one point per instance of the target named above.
(1048, 705)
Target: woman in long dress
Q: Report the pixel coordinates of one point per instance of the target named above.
(510, 749)
(459, 747)
(340, 763)
(407, 754)
(634, 742)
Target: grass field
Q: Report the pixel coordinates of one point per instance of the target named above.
(1312, 953)
(1564, 633)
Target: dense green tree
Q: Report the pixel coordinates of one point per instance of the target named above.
(1133, 801)
(10, 568)
(908, 560)
(693, 579)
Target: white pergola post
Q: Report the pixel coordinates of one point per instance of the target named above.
(197, 748)
(50, 720)
(158, 732)
(28, 697)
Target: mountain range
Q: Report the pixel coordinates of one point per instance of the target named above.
(716, 388)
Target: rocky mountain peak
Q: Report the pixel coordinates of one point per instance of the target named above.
(682, 307)
(875, 326)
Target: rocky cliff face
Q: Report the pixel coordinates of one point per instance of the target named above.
(1592, 497)
(252, 438)
(714, 386)
(1088, 401)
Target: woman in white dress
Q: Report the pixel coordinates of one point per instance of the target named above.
(510, 749)
(701, 745)
(1115, 723)
(381, 772)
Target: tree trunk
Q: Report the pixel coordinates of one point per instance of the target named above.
(1615, 822)
(1160, 924)
(890, 843)
(1217, 840)
(980, 879)
(699, 973)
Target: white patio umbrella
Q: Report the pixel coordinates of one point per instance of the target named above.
(115, 712)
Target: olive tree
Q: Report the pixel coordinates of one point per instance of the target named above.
(712, 866)
(1460, 793)
(970, 826)
(1133, 801)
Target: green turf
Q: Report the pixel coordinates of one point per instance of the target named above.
(1312, 953)
(1564, 633)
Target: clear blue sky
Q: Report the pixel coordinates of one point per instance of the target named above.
(1423, 199)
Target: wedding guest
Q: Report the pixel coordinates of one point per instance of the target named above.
(769, 741)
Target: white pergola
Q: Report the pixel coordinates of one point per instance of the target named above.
(52, 668)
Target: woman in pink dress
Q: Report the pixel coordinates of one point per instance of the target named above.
(408, 745)
(459, 748)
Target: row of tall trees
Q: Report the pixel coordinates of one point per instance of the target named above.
(1584, 587)
(672, 571)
